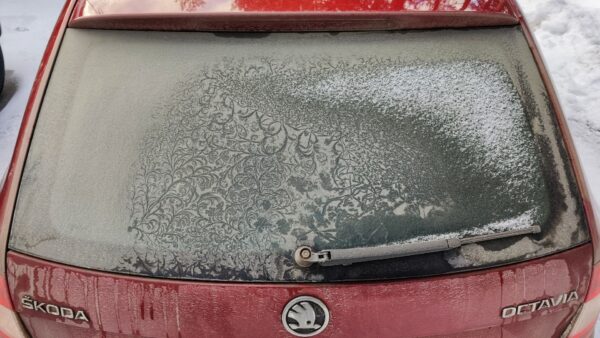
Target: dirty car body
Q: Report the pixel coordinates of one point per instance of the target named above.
(260, 168)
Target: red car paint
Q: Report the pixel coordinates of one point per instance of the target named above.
(305, 15)
(446, 305)
(95, 7)
(10, 185)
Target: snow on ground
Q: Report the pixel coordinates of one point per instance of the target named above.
(568, 32)
(26, 27)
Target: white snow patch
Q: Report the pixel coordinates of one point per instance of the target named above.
(522, 221)
(487, 115)
(567, 34)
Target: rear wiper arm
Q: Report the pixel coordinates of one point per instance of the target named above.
(305, 256)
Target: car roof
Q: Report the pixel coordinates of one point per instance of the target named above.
(285, 15)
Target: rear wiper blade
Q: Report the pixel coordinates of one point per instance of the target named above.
(305, 256)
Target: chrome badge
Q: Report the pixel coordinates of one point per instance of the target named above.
(540, 304)
(60, 311)
(305, 316)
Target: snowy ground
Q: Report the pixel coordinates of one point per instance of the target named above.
(568, 32)
(26, 27)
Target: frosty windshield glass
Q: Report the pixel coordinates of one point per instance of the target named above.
(214, 156)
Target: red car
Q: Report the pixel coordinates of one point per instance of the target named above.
(239, 168)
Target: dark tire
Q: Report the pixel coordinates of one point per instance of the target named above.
(1, 71)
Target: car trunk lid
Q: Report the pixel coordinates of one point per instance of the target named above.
(459, 305)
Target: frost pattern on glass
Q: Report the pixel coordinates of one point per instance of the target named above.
(255, 157)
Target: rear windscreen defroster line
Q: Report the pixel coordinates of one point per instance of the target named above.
(214, 156)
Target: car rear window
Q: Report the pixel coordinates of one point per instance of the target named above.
(214, 156)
